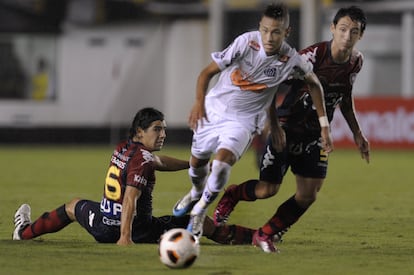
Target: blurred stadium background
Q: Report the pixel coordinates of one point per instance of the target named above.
(76, 71)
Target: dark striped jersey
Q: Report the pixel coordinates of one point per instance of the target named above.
(295, 108)
(131, 164)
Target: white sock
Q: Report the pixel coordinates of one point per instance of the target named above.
(198, 178)
(220, 173)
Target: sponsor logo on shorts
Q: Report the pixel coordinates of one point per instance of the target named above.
(267, 159)
(91, 217)
(111, 222)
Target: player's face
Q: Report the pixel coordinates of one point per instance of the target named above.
(346, 33)
(153, 137)
(273, 32)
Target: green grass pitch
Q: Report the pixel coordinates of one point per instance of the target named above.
(362, 222)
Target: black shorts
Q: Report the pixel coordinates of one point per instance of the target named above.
(304, 155)
(105, 230)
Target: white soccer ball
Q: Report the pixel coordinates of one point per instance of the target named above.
(178, 248)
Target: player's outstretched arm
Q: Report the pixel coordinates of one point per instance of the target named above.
(166, 163)
(348, 111)
(198, 111)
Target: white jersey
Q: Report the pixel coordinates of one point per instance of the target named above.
(249, 79)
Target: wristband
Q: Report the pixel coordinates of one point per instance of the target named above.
(323, 121)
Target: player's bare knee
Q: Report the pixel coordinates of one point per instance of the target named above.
(272, 189)
(197, 163)
(226, 156)
(265, 189)
(305, 201)
(70, 208)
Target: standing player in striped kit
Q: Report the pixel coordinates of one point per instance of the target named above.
(336, 63)
(225, 119)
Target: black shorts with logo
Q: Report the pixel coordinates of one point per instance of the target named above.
(303, 154)
(105, 230)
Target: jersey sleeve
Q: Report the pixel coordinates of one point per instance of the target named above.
(359, 61)
(302, 68)
(141, 170)
(231, 54)
(310, 53)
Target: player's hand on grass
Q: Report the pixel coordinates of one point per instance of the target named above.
(124, 241)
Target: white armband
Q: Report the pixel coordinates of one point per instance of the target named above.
(323, 121)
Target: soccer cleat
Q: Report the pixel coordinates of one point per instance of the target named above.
(225, 206)
(277, 238)
(184, 205)
(265, 242)
(195, 225)
(21, 221)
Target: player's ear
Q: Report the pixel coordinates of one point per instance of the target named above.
(140, 133)
(332, 28)
(361, 35)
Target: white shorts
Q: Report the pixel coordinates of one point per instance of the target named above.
(220, 133)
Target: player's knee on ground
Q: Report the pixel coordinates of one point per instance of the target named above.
(232, 234)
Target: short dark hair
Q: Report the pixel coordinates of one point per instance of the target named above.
(355, 13)
(143, 119)
(278, 11)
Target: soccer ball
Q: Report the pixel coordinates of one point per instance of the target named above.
(178, 248)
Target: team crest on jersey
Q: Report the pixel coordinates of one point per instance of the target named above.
(271, 72)
(254, 45)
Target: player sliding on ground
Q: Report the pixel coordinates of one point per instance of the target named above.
(124, 215)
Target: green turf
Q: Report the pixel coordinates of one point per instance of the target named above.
(362, 222)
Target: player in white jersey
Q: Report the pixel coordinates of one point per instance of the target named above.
(225, 119)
